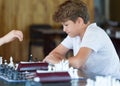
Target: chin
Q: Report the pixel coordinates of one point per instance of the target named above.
(71, 36)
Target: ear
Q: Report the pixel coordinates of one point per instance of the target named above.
(79, 20)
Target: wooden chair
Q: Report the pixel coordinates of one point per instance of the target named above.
(37, 39)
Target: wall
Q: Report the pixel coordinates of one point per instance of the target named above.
(19, 14)
(114, 10)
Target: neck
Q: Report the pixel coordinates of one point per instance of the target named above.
(84, 27)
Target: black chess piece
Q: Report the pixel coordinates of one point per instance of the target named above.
(31, 58)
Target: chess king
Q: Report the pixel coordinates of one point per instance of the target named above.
(93, 50)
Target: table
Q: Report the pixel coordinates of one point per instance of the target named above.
(31, 83)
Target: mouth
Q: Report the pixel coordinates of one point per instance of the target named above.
(68, 32)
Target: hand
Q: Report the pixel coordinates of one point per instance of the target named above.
(12, 35)
(51, 59)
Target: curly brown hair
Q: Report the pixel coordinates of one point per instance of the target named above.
(71, 10)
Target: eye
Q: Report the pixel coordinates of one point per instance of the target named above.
(66, 24)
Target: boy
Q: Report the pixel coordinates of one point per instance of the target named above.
(93, 50)
(12, 35)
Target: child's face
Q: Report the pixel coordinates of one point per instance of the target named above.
(71, 28)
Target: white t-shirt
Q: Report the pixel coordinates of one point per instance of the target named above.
(104, 59)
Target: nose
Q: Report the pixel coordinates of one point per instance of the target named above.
(64, 29)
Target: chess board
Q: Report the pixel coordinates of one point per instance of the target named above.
(38, 71)
(9, 74)
(11, 80)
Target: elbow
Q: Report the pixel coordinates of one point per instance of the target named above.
(75, 63)
(77, 66)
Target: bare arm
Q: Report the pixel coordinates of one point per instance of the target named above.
(80, 59)
(75, 61)
(12, 35)
(56, 55)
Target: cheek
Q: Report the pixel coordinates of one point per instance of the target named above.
(71, 27)
(76, 31)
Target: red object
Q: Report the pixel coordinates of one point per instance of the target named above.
(53, 76)
(32, 66)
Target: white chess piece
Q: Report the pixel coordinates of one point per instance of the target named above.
(57, 67)
(90, 82)
(71, 72)
(61, 66)
(65, 65)
(11, 64)
(75, 73)
(5, 62)
(0, 60)
(16, 66)
(50, 67)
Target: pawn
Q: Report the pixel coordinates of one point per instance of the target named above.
(31, 58)
(0, 60)
(11, 64)
(50, 67)
(75, 73)
(16, 66)
(5, 62)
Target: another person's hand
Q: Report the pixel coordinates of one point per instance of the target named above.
(12, 35)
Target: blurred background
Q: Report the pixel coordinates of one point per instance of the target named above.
(26, 14)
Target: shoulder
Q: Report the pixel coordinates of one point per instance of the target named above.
(94, 30)
(72, 38)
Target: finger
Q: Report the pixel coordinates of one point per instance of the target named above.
(19, 35)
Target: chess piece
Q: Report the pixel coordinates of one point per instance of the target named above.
(5, 62)
(31, 58)
(50, 67)
(70, 71)
(61, 66)
(0, 60)
(36, 79)
(11, 64)
(75, 73)
(103, 81)
(65, 65)
(16, 66)
(57, 67)
(90, 82)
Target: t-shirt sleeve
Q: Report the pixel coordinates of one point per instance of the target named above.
(93, 41)
(67, 42)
